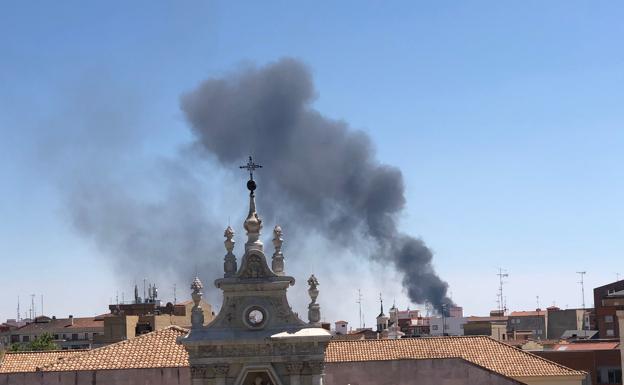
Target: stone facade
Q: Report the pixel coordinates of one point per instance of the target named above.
(256, 339)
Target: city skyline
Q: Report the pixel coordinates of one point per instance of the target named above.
(504, 122)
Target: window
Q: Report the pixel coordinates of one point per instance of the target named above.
(610, 332)
(608, 318)
(609, 376)
(614, 376)
(434, 327)
(86, 336)
(74, 337)
(25, 338)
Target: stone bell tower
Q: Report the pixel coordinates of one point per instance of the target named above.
(256, 339)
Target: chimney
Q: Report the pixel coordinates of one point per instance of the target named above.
(71, 318)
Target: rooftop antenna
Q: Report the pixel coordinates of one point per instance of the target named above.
(18, 309)
(582, 282)
(359, 302)
(144, 292)
(123, 298)
(537, 299)
(33, 314)
(582, 274)
(500, 299)
(174, 294)
(41, 304)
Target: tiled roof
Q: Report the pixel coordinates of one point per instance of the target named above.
(60, 324)
(481, 350)
(160, 349)
(152, 350)
(486, 319)
(527, 313)
(15, 362)
(587, 346)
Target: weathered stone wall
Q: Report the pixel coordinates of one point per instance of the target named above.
(424, 372)
(156, 376)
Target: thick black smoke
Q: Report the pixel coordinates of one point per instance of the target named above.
(317, 170)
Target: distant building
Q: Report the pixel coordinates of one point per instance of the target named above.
(608, 299)
(524, 325)
(560, 321)
(601, 359)
(127, 321)
(493, 326)
(341, 327)
(68, 333)
(449, 325)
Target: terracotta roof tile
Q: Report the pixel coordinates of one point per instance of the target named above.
(158, 349)
(16, 362)
(481, 350)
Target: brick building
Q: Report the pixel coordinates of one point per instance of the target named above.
(68, 333)
(602, 360)
(608, 299)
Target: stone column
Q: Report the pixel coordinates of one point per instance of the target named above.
(317, 369)
(294, 369)
(221, 371)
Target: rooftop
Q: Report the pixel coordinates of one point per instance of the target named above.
(16, 362)
(481, 350)
(587, 346)
(45, 324)
(160, 349)
(528, 313)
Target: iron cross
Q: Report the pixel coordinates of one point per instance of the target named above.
(251, 167)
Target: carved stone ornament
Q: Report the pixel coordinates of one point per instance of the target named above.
(277, 264)
(197, 314)
(294, 368)
(317, 367)
(221, 370)
(314, 309)
(255, 267)
(229, 264)
(200, 371)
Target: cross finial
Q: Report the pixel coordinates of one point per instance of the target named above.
(251, 167)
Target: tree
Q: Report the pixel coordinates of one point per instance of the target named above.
(43, 342)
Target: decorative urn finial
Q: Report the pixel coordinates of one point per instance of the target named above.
(314, 309)
(278, 258)
(229, 264)
(197, 313)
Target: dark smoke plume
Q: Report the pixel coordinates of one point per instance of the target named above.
(318, 173)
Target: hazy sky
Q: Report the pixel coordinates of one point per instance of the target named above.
(505, 119)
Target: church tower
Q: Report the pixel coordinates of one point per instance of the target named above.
(256, 339)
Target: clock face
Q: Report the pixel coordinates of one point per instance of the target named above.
(255, 317)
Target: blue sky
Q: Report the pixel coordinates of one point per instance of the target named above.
(505, 118)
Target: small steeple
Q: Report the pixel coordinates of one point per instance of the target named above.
(253, 223)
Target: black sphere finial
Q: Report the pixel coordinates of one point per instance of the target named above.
(251, 185)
